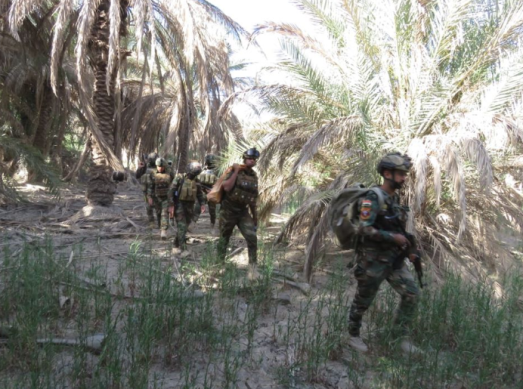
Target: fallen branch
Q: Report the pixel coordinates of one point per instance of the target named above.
(93, 343)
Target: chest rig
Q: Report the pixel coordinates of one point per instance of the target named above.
(161, 184)
(208, 178)
(188, 189)
(245, 190)
(144, 180)
(393, 216)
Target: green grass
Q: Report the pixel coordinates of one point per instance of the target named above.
(155, 326)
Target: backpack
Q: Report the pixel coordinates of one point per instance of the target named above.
(343, 213)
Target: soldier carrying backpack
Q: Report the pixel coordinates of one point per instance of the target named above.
(372, 221)
(158, 184)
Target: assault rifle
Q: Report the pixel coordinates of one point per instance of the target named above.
(417, 260)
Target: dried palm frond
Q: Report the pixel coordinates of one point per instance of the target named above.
(421, 88)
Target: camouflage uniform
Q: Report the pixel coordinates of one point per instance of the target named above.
(183, 193)
(143, 174)
(158, 189)
(234, 212)
(207, 180)
(379, 258)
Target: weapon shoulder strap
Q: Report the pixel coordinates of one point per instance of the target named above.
(379, 193)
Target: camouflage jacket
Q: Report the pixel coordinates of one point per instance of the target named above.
(377, 226)
(158, 181)
(185, 189)
(230, 199)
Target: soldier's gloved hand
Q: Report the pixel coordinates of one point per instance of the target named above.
(202, 208)
(401, 241)
(141, 164)
(150, 200)
(171, 211)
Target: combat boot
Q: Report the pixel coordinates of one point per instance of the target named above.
(163, 234)
(358, 344)
(408, 348)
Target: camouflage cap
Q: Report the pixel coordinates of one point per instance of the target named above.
(394, 161)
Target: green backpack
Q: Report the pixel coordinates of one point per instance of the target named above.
(344, 213)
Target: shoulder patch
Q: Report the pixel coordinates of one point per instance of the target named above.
(366, 204)
(365, 213)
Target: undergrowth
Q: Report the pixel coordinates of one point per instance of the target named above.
(197, 325)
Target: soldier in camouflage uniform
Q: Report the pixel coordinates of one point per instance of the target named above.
(239, 197)
(184, 192)
(143, 173)
(207, 179)
(157, 193)
(382, 247)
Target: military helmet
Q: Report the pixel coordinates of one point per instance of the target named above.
(251, 153)
(160, 162)
(395, 161)
(152, 157)
(194, 168)
(210, 160)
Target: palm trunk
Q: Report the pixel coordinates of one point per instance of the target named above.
(186, 126)
(101, 188)
(40, 138)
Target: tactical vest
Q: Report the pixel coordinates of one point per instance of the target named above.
(162, 181)
(144, 180)
(393, 216)
(208, 178)
(188, 190)
(245, 190)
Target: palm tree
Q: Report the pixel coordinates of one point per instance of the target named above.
(149, 111)
(441, 80)
(34, 119)
(181, 32)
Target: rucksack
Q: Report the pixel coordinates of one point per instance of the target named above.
(344, 213)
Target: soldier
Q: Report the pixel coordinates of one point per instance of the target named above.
(207, 179)
(184, 191)
(382, 246)
(157, 193)
(142, 173)
(240, 195)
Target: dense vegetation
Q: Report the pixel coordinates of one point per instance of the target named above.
(87, 87)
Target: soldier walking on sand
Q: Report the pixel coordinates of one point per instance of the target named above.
(184, 192)
(157, 193)
(382, 246)
(238, 206)
(144, 171)
(207, 179)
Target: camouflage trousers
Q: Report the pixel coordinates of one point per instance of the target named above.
(372, 269)
(162, 211)
(184, 213)
(198, 211)
(228, 220)
(150, 209)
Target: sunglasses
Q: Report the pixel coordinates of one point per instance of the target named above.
(254, 159)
